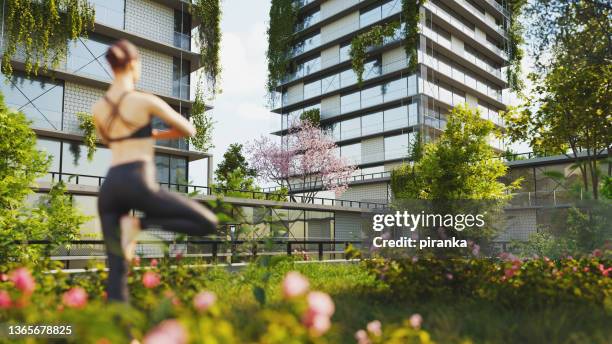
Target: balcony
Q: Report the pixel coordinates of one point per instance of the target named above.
(182, 41)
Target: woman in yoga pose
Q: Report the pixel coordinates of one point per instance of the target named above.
(123, 122)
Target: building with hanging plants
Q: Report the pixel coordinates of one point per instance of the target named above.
(380, 72)
(54, 69)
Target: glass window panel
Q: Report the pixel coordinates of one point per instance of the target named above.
(181, 78)
(372, 123)
(98, 166)
(349, 102)
(345, 51)
(396, 147)
(348, 77)
(45, 110)
(109, 12)
(52, 148)
(352, 153)
(371, 96)
(412, 85)
(372, 69)
(369, 17)
(395, 89)
(351, 128)
(162, 164)
(391, 7)
(413, 114)
(331, 83)
(198, 172)
(86, 57)
(396, 118)
(178, 170)
(311, 66)
(312, 89)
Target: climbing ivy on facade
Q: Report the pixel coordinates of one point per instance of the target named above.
(41, 31)
(203, 122)
(410, 16)
(283, 17)
(90, 139)
(208, 12)
(515, 40)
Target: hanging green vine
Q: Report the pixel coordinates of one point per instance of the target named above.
(203, 122)
(86, 124)
(312, 115)
(283, 16)
(373, 37)
(411, 18)
(209, 38)
(515, 40)
(42, 29)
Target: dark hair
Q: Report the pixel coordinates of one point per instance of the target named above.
(121, 53)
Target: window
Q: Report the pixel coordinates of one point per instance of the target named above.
(395, 89)
(391, 7)
(396, 147)
(308, 20)
(86, 56)
(371, 16)
(371, 96)
(98, 166)
(345, 51)
(350, 128)
(347, 78)
(159, 124)
(311, 66)
(352, 153)
(40, 99)
(178, 170)
(180, 78)
(52, 148)
(162, 165)
(182, 30)
(307, 44)
(396, 118)
(372, 69)
(331, 83)
(109, 12)
(413, 114)
(349, 102)
(372, 123)
(412, 85)
(312, 89)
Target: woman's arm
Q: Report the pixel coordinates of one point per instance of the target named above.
(179, 125)
(167, 134)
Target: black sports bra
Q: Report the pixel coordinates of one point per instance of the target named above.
(142, 132)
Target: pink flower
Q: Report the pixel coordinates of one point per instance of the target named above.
(586, 269)
(362, 337)
(76, 297)
(136, 261)
(508, 273)
(449, 276)
(167, 332)
(5, 299)
(476, 250)
(320, 324)
(415, 321)
(4, 277)
(178, 257)
(154, 262)
(150, 279)
(203, 300)
(603, 270)
(320, 303)
(375, 328)
(23, 280)
(294, 284)
(597, 253)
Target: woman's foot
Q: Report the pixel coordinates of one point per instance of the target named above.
(130, 228)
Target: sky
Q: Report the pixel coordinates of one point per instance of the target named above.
(240, 111)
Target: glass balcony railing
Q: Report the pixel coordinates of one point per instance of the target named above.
(483, 18)
(182, 41)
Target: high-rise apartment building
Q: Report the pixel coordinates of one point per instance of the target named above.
(161, 29)
(462, 54)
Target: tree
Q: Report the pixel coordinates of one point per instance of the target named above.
(568, 111)
(52, 217)
(235, 169)
(304, 159)
(458, 173)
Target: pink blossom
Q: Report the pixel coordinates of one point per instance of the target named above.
(603, 270)
(76, 297)
(586, 269)
(294, 284)
(4, 277)
(415, 321)
(150, 279)
(449, 276)
(476, 250)
(597, 253)
(5, 299)
(320, 324)
(508, 273)
(362, 337)
(204, 300)
(136, 261)
(178, 256)
(320, 303)
(23, 280)
(154, 262)
(167, 332)
(375, 327)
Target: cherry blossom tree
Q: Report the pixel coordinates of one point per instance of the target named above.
(304, 160)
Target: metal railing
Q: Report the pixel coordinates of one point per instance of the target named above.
(213, 249)
(213, 191)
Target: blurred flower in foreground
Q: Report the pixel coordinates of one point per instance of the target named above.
(294, 284)
(320, 309)
(76, 297)
(204, 300)
(375, 328)
(5, 299)
(167, 332)
(415, 321)
(362, 337)
(23, 280)
(150, 279)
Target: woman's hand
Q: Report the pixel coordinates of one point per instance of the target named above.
(167, 134)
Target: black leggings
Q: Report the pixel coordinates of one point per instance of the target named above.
(128, 187)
